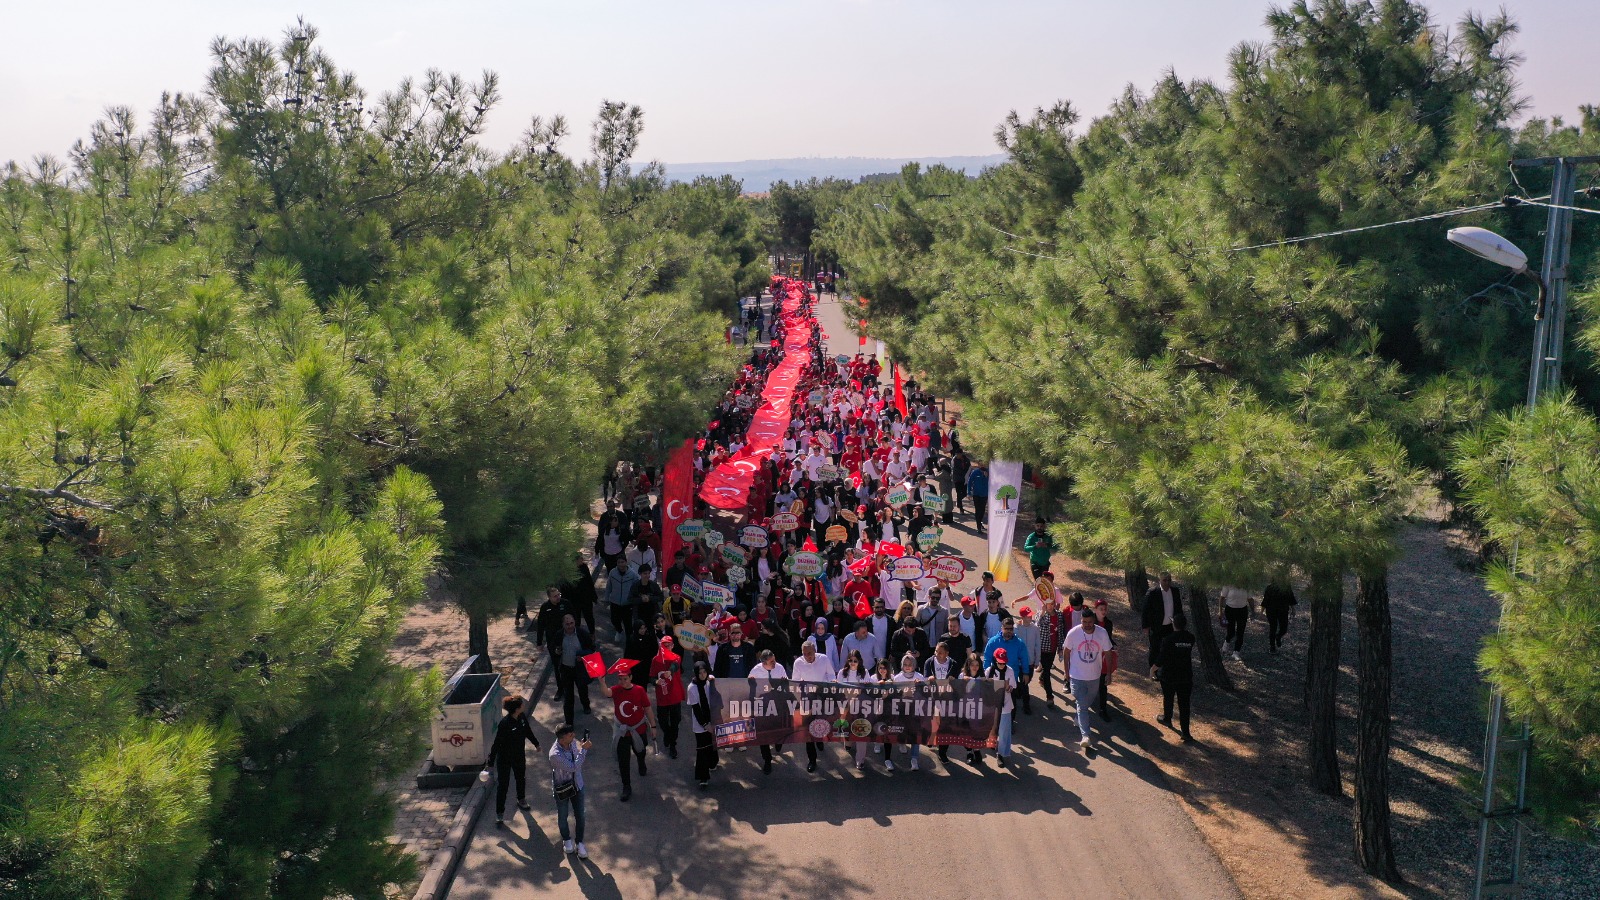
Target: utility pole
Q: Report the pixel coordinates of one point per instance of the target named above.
(1505, 787)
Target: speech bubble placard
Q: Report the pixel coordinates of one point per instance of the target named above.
(692, 637)
(753, 536)
(806, 564)
(836, 533)
(691, 529)
(933, 503)
(712, 539)
(785, 521)
(949, 569)
(898, 497)
(691, 588)
(928, 538)
(732, 554)
(849, 515)
(906, 568)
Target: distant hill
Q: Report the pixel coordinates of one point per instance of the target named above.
(759, 174)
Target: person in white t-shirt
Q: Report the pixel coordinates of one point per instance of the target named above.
(768, 669)
(908, 673)
(812, 666)
(1238, 607)
(1083, 650)
(1004, 673)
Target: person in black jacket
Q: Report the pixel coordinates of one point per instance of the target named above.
(567, 649)
(506, 757)
(1275, 602)
(1162, 605)
(772, 638)
(1175, 669)
(910, 638)
(548, 620)
(580, 593)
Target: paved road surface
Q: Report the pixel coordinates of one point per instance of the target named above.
(1056, 825)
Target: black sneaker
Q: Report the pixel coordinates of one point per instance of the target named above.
(499, 822)
(1165, 720)
(766, 767)
(672, 752)
(626, 793)
(811, 767)
(642, 770)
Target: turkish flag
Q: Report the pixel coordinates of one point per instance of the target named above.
(595, 665)
(899, 390)
(677, 502)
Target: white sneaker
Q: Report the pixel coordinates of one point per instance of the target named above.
(568, 847)
(914, 762)
(889, 765)
(1237, 657)
(583, 852)
(1084, 743)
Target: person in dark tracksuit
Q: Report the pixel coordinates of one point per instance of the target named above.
(507, 759)
(1175, 669)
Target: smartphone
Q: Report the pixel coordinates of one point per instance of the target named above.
(586, 734)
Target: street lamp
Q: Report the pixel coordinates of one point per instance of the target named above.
(1485, 244)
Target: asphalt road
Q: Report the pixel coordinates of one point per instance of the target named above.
(1056, 824)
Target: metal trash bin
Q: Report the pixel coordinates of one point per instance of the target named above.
(463, 731)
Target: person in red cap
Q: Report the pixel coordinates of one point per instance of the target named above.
(1005, 678)
(633, 714)
(666, 671)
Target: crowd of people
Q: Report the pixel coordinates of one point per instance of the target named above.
(867, 465)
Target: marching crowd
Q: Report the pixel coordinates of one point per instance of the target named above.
(867, 466)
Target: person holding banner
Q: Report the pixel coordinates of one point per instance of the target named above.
(908, 674)
(1001, 672)
(855, 671)
(827, 645)
(814, 667)
(768, 669)
(702, 706)
(633, 711)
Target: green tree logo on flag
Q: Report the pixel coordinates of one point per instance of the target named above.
(1005, 494)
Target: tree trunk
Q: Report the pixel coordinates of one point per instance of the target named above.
(1206, 637)
(1374, 849)
(478, 637)
(1137, 581)
(1322, 682)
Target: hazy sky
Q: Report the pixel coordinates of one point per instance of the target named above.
(718, 79)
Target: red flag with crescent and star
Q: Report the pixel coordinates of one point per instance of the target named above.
(677, 502)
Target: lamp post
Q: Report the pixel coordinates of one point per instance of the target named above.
(1485, 244)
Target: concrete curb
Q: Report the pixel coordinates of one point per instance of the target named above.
(442, 870)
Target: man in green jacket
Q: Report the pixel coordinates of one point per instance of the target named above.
(1039, 545)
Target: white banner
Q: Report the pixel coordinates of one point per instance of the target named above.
(1005, 493)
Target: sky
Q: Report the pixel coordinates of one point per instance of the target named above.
(719, 80)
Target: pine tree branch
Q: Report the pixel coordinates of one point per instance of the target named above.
(57, 494)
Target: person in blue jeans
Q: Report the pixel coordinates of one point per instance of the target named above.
(566, 782)
(1002, 672)
(1085, 647)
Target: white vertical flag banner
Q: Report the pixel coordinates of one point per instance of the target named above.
(1005, 492)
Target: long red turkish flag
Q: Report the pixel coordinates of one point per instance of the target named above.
(677, 503)
(728, 485)
(899, 391)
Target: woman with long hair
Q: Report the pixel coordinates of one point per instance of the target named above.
(854, 671)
